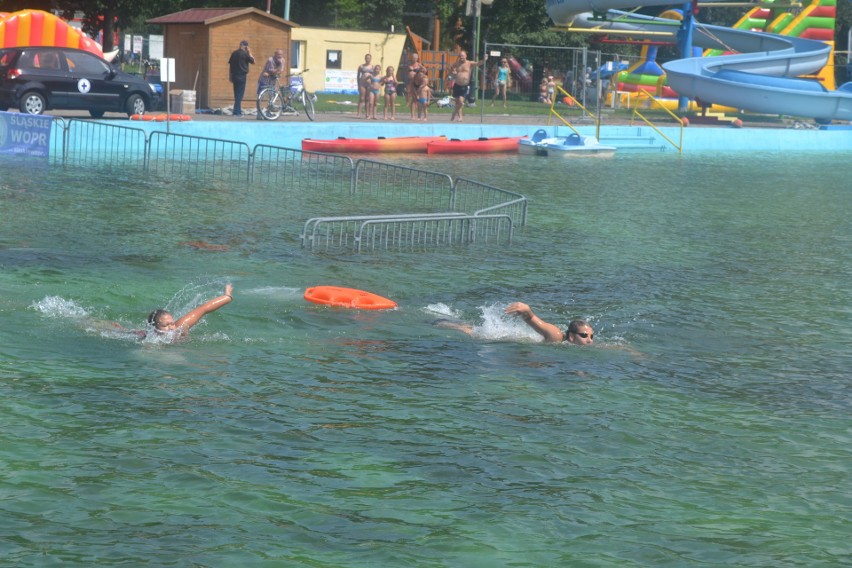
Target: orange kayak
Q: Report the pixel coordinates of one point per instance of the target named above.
(474, 146)
(348, 298)
(370, 145)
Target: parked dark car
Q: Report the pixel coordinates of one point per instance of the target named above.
(36, 79)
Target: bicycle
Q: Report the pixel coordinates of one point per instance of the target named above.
(274, 100)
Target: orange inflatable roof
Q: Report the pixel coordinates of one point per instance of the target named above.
(35, 27)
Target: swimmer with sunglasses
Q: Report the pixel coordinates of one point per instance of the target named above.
(578, 332)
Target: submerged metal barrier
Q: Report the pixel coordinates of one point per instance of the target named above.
(288, 169)
(417, 190)
(174, 155)
(344, 231)
(436, 230)
(436, 210)
(88, 143)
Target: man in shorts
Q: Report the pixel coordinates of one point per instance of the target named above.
(461, 74)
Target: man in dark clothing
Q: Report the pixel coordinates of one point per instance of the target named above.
(239, 68)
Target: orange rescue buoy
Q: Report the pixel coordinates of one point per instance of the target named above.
(348, 298)
(172, 117)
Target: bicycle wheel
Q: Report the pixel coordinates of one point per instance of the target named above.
(308, 103)
(269, 104)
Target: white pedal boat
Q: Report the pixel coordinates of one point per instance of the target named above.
(539, 144)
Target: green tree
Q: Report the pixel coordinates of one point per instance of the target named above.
(99, 16)
(382, 14)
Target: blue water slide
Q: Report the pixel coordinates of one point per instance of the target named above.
(759, 78)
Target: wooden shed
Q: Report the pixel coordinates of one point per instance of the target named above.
(201, 40)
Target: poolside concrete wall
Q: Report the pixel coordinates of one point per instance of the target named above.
(289, 134)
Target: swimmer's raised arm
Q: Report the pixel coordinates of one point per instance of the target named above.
(193, 317)
(548, 331)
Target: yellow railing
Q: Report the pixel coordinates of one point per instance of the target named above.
(574, 102)
(652, 100)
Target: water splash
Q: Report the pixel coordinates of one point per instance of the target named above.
(442, 310)
(496, 325)
(58, 307)
(275, 292)
(193, 295)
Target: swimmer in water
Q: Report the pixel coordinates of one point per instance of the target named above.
(163, 322)
(578, 333)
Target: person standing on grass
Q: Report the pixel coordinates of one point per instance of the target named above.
(501, 82)
(375, 91)
(424, 96)
(414, 67)
(363, 89)
(461, 72)
(389, 81)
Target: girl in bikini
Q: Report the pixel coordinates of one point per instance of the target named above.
(389, 81)
(363, 69)
(375, 88)
(411, 92)
(366, 84)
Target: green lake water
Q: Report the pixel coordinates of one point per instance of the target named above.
(709, 426)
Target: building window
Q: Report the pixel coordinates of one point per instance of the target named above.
(297, 54)
(333, 59)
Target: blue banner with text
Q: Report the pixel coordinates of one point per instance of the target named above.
(25, 134)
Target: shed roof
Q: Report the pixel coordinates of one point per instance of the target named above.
(211, 15)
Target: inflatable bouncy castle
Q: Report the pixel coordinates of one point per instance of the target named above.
(35, 27)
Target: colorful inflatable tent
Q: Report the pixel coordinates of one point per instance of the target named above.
(35, 27)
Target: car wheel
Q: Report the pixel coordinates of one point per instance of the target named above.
(97, 113)
(33, 103)
(135, 105)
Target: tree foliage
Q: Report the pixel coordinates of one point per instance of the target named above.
(505, 21)
(347, 14)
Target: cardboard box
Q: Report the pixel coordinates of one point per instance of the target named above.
(182, 101)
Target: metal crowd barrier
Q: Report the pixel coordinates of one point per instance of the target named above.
(412, 188)
(172, 155)
(408, 207)
(290, 169)
(425, 231)
(88, 143)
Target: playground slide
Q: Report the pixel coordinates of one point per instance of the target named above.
(760, 78)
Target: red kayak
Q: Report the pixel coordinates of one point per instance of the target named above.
(370, 145)
(475, 146)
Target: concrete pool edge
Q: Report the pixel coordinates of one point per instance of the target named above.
(695, 139)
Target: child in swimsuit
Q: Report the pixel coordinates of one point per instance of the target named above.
(375, 89)
(424, 94)
(389, 81)
(501, 82)
(542, 92)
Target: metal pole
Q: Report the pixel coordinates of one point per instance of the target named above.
(475, 55)
(684, 37)
(286, 9)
